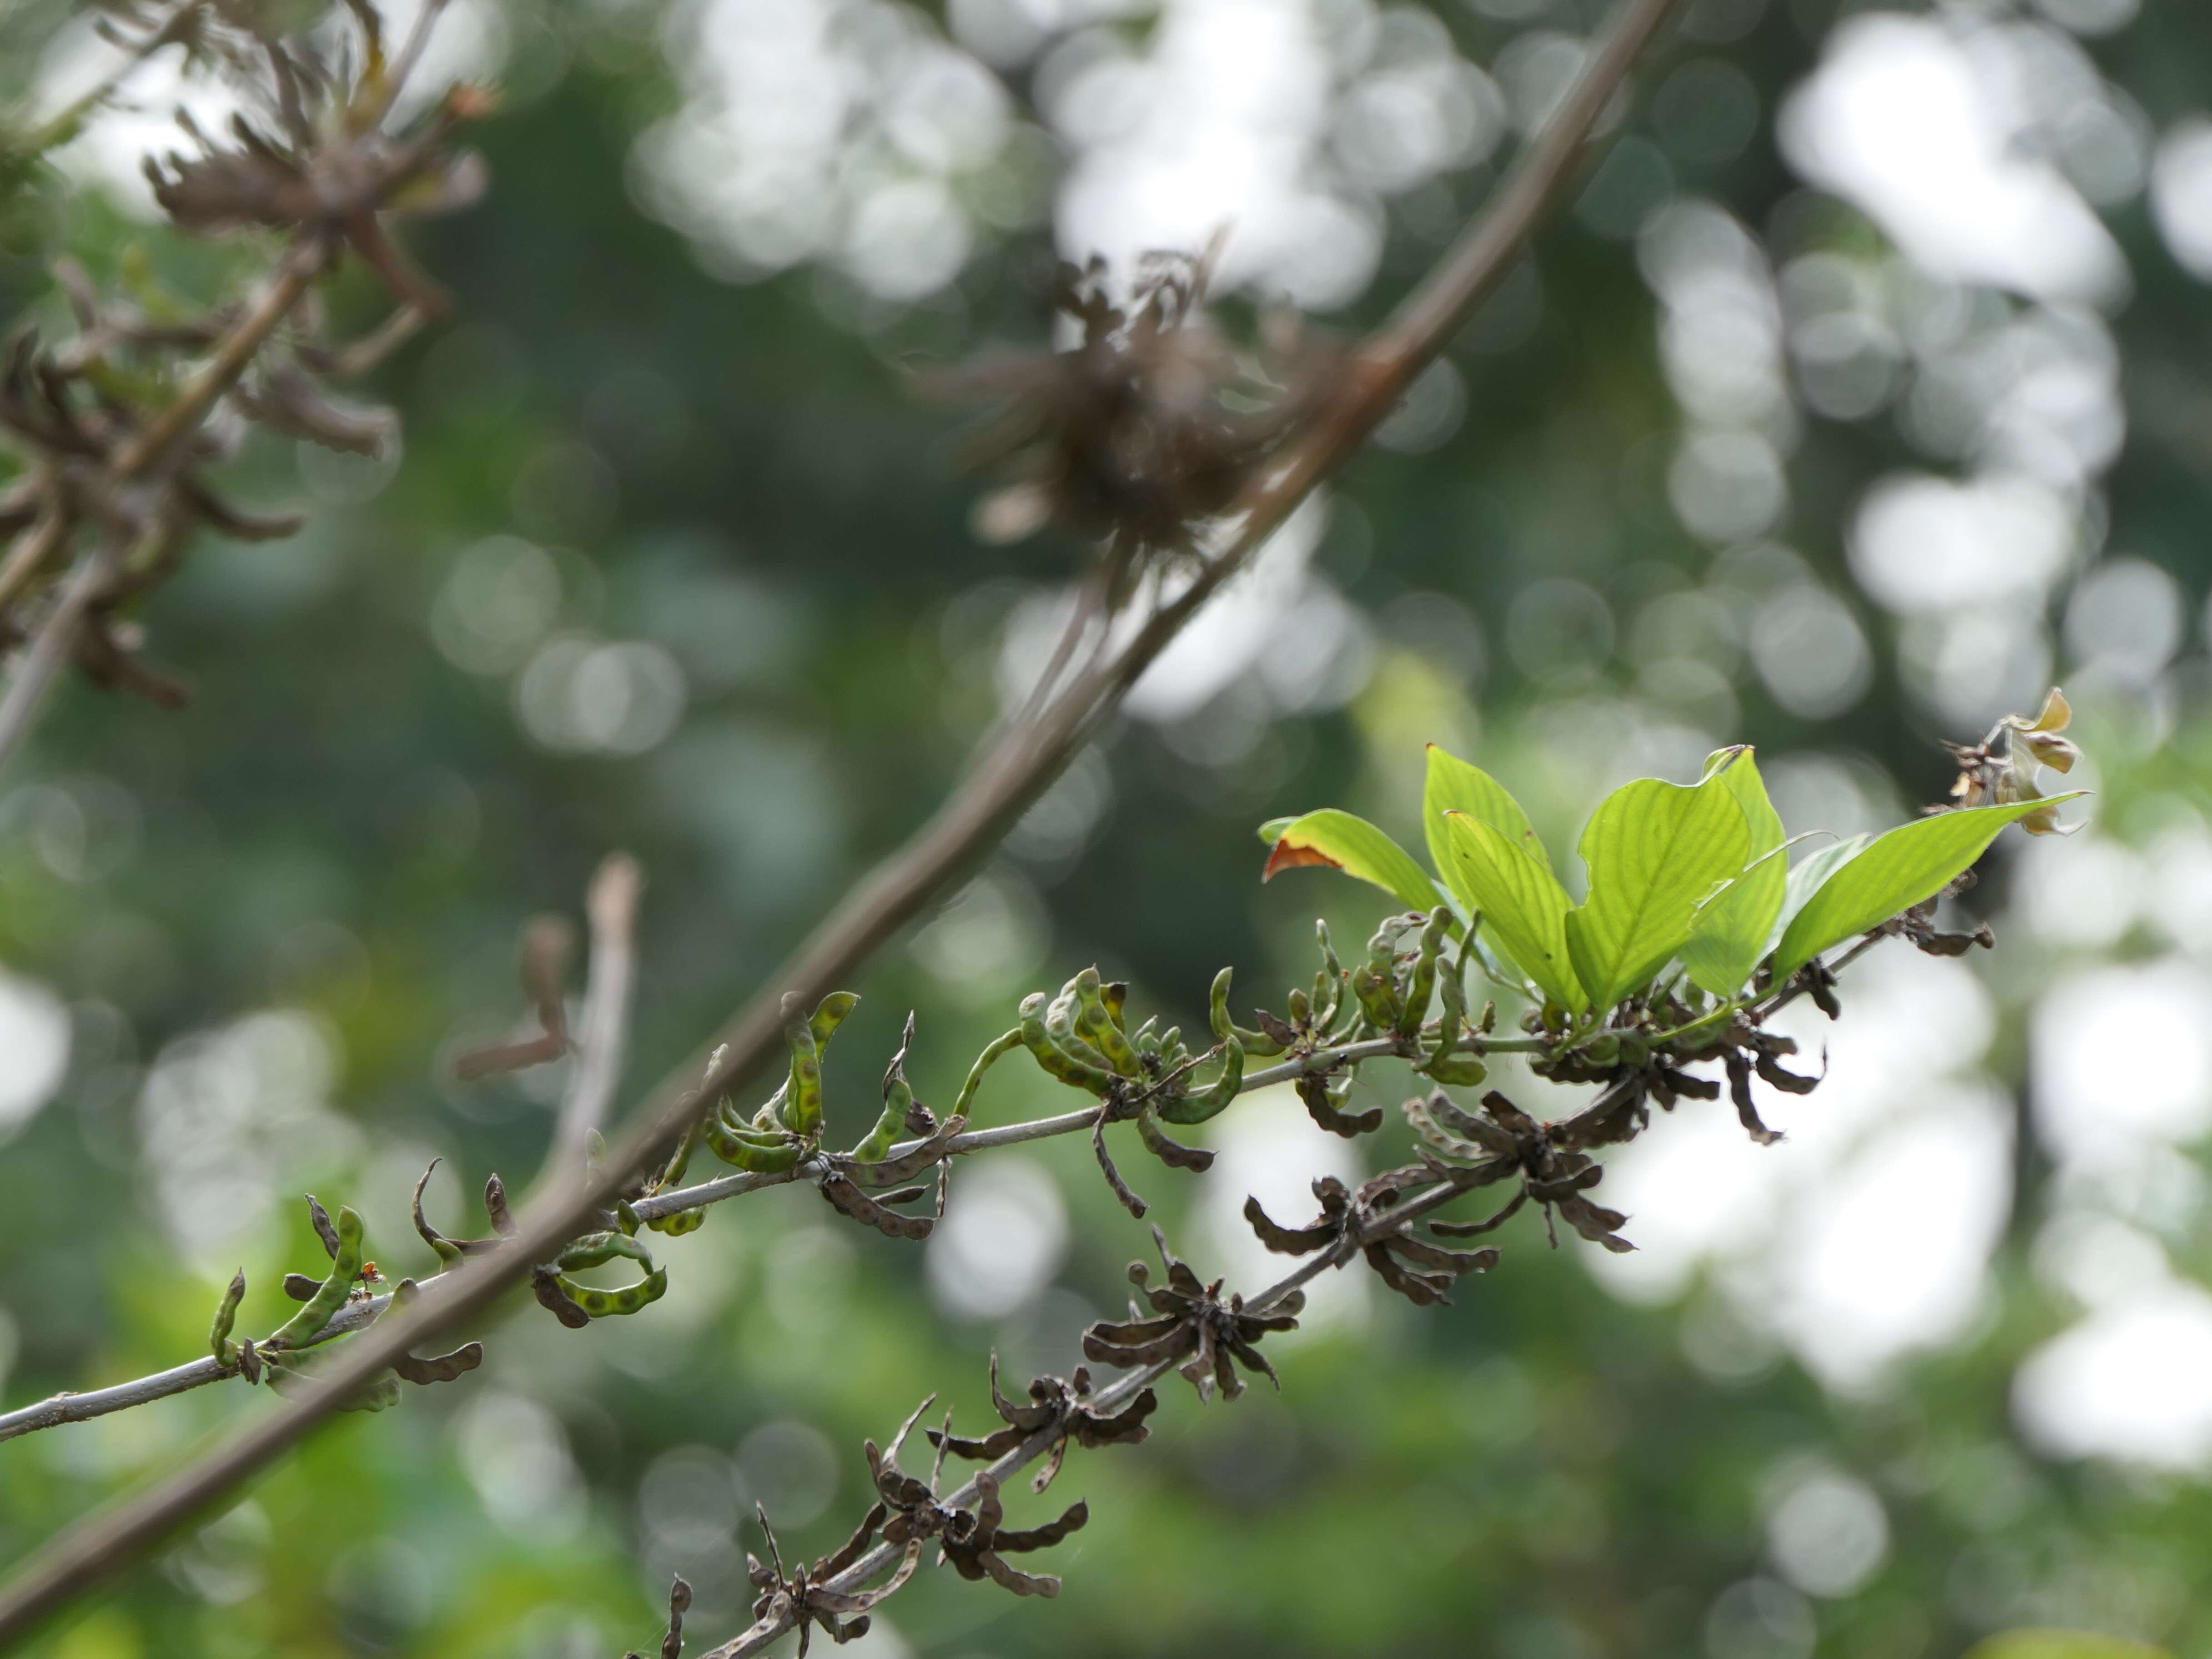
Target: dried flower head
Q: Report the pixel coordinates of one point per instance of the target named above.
(1195, 1320)
(2001, 768)
(1148, 425)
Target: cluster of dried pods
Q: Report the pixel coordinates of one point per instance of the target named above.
(114, 429)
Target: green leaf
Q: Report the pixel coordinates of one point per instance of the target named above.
(1655, 852)
(1895, 872)
(1808, 876)
(1340, 841)
(1456, 786)
(1523, 907)
(2061, 1644)
(1736, 928)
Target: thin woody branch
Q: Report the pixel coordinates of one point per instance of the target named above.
(992, 797)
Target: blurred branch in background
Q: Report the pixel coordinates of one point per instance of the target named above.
(1024, 762)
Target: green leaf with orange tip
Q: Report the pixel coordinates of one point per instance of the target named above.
(1341, 841)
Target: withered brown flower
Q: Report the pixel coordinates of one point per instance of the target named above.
(1147, 426)
(2001, 769)
(1055, 1402)
(1193, 1320)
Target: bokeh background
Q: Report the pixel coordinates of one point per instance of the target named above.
(1860, 393)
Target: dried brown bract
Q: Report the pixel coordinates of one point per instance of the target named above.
(1195, 1320)
(1055, 1403)
(1146, 427)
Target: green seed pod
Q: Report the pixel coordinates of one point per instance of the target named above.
(1422, 984)
(676, 1225)
(898, 1101)
(594, 1249)
(1202, 1103)
(1604, 1048)
(1116, 994)
(449, 1252)
(1146, 1037)
(829, 1014)
(379, 1395)
(1040, 1045)
(1378, 996)
(1172, 1052)
(1004, 1043)
(609, 1305)
(752, 1151)
(304, 1325)
(1334, 971)
(1223, 1027)
(1060, 1031)
(802, 1106)
(1301, 1007)
(225, 1313)
(1460, 1069)
(1097, 1027)
(626, 1217)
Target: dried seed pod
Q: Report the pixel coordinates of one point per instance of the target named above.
(973, 1542)
(1336, 1216)
(1134, 1204)
(1747, 1109)
(1171, 1152)
(323, 1231)
(679, 1603)
(850, 1199)
(443, 1369)
(1324, 1097)
(552, 1294)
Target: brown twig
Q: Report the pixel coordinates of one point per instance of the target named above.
(610, 906)
(896, 892)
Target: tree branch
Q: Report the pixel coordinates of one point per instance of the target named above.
(610, 906)
(896, 892)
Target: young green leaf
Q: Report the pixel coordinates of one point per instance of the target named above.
(1808, 877)
(1456, 786)
(1340, 841)
(1895, 872)
(1523, 907)
(1733, 932)
(1656, 851)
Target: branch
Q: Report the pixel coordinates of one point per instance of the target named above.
(986, 805)
(610, 905)
(760, 1636)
